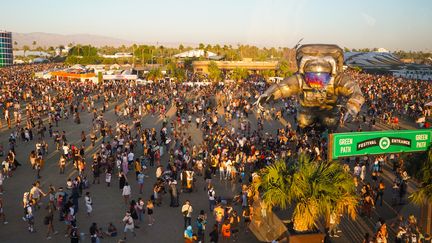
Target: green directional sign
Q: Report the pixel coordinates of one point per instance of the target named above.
(378, 142)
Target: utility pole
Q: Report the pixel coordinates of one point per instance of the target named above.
(133, 56)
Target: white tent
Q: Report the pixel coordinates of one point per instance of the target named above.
(195, 53)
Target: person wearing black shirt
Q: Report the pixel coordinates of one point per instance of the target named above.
(214, 235)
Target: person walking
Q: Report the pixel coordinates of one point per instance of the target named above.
(173, 193)
(2, 177)
(247, 217)
(96, 172)
(201, 226)
(88, 203)
(122, 180)
(74, 234)
(140, 180)
(363, 172)
(94, 233)
(187, 213)
(380, 192)
(62, 164)
(150, 208)
(49, 220)
(219, 214)
(226, 231)
(140, 210)
(29, 216)
(2, 213)
(188, 235)
(212, 198)
(128, 224)
(207, 178)
(126, 192)
(214, 234)
(235, 224)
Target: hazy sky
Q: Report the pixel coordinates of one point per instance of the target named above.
(392, 24)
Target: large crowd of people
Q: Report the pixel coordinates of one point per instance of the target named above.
(234, 146)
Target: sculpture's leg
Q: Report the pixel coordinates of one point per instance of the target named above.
(330, 119)
(305, 118)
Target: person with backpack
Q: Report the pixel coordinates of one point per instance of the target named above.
(201, 225)
(94, 233)
(74, 234)
(29, 216)
(212, 198)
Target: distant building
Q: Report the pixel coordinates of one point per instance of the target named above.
(22, 53)
(195, 53)
(414, 71)
(382, 50)
(383, 62)
(370, 59)
(202, 66)
(6, 52)
(119, 55)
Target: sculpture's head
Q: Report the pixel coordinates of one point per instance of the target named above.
(319, 64)
(317, 73)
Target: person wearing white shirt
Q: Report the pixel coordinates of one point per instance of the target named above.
(66, 150)
(212, 198)
(357, 170)
(187, 213)
(126, 192)
(130, 157)
(88, 203)
(129, 224)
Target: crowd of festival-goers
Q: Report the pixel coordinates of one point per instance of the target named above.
(236, 144)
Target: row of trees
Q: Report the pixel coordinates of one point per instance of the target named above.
(147, 53)
(215, 74)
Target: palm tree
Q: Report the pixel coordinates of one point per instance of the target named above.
(424, 193)
(313, 189)
(61, 48)
(34, 44)
(26, 48)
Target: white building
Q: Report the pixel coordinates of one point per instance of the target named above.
(119, 55)
(22, 53)
(421, 73)
(195, 53)
(370, 59)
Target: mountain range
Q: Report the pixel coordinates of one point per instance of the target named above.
(49, 39)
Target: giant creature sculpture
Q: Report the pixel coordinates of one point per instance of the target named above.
(319, 86)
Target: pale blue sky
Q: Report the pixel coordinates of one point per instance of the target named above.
(392, 24)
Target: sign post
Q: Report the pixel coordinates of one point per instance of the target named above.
(378, 142)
